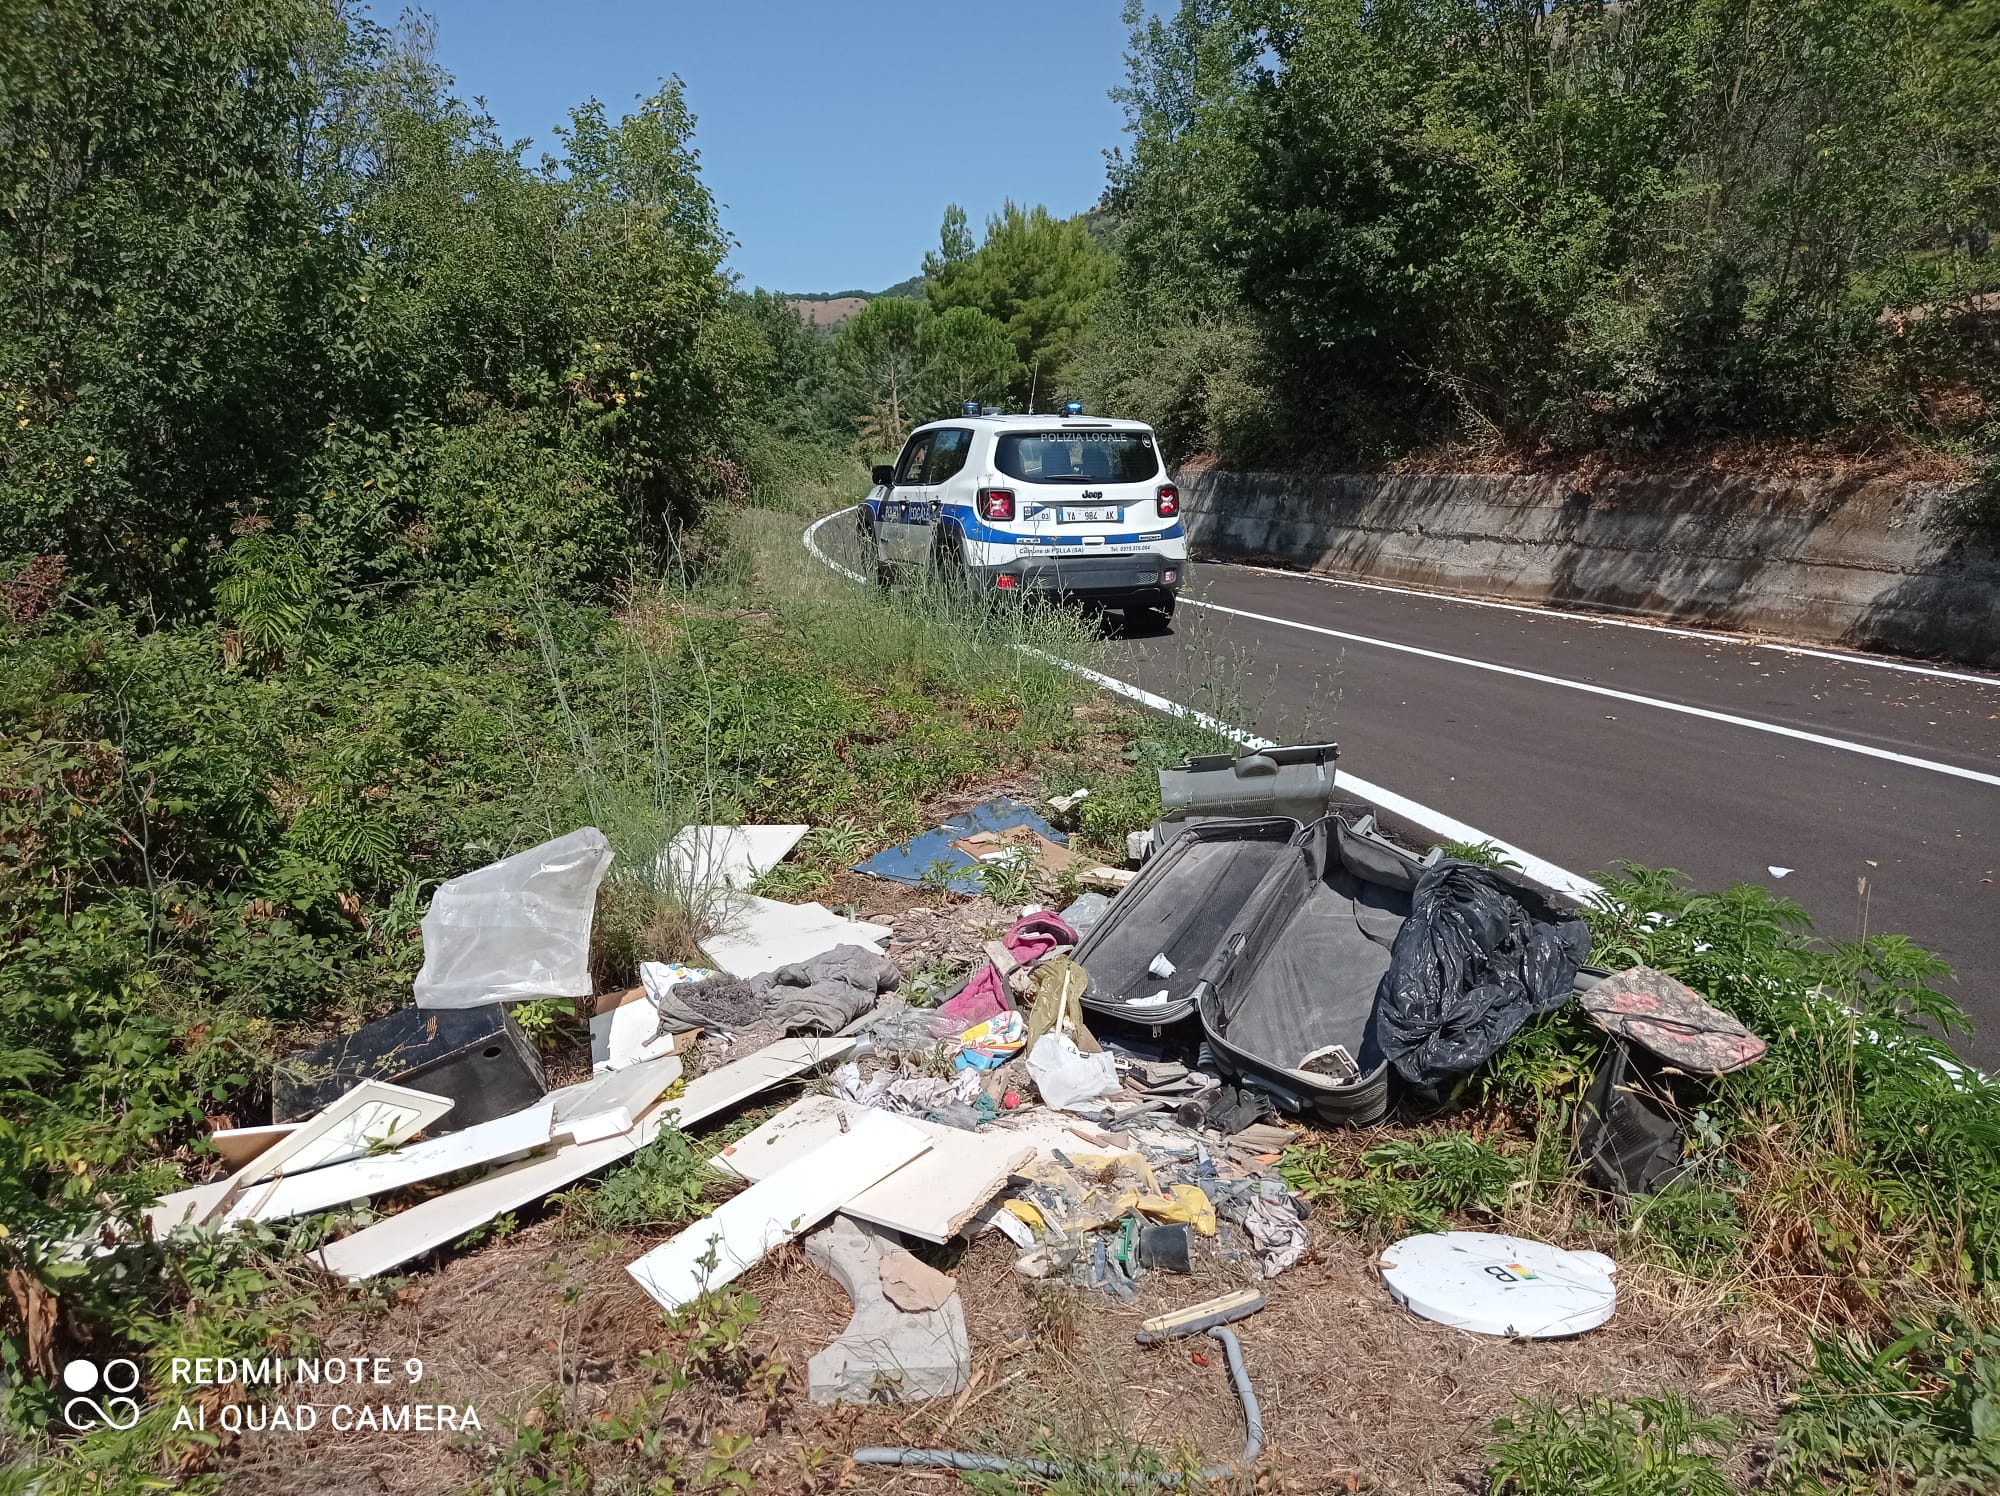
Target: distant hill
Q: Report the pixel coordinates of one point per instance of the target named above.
(831, 308)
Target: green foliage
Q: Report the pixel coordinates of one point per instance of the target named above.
(1651, 1446)
(1034, 276)
(1567, 224)
(1921, 1413)
(1480, 853)
(1694, 1225)
(660, 1185)
(1409, 1184)
(899, 363)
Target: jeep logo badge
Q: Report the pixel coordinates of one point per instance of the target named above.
(1093, 493)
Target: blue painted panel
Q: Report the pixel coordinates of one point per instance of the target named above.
(908, 862)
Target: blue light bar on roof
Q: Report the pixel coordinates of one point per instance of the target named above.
(1072, 407)
(970, 408)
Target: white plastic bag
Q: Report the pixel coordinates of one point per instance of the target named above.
(1066, 1076)
(515, 929)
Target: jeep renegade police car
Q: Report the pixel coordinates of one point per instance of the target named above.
(1061, 504)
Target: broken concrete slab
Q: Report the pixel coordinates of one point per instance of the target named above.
(885, 1355)
(933, 1197)
(806, 1191)
(915, 1286)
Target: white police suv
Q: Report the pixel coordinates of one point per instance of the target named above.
(1064, 504)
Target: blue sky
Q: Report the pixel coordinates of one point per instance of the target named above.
(834, 133)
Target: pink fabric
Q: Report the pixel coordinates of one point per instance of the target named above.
(985, 994)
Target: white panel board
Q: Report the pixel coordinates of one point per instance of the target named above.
(767, 1215)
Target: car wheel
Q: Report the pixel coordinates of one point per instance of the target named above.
(948, 562)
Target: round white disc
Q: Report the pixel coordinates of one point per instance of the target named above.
(1500, 1285)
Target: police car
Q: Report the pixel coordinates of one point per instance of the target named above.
(1066, 505)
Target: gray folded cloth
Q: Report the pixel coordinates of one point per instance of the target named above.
(825, 994)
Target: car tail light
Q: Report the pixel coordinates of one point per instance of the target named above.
(996, 503)
(1170, 501)
(1170, 575)
(1006, 583)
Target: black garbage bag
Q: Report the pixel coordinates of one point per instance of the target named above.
(1478, 956)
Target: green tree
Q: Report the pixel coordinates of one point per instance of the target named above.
(1035, 275)
(966, 356)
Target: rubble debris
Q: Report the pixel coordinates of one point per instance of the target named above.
(443, 1219)
(1016, 843)
(477, 1058)
(911, 860)
(1500, 1285)
(821, 994)
(1063, 805)
(1275, 1231)
(934, 1196)
(887, 1353)
(985, 1046)
(515, 929)
(791, 1199)
(1032, 938)
(915, 1287)
(951, 938)
(756, 935)
(707, 859)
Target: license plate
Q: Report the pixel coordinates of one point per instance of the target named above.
(1094, 514)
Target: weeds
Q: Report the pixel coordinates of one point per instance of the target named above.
(1922, 1413)
(663, 1184)
(1406, 1185)
(1651, 1446)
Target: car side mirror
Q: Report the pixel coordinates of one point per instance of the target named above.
(885, 475)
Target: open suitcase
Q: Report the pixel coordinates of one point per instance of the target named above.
(1278, 935)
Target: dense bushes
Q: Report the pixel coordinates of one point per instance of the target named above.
(1568, 223)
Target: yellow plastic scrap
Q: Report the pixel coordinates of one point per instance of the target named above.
(1022, 1211)
(1183, 1203)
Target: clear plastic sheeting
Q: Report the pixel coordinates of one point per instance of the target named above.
(1477, 957)
(515, 929)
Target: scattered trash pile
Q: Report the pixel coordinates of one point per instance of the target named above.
(1105, 1084)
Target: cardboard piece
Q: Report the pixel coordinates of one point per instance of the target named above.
(444, 1219)
(756, 935)
(715, 1250)
(628, 1035)
(995, 846)
(364, 1178)
(934, 1197)
(238, 1145)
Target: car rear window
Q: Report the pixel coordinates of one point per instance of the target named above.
(1077, 456)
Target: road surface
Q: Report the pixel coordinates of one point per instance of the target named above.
(1585, 741)
(1477, 711)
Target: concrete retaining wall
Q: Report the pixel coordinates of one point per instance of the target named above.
(1865, 563)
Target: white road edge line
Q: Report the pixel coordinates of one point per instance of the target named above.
(1712, 636)
(1796, 733)
(1436, 822)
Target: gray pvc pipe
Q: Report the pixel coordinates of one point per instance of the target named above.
(994, 1464)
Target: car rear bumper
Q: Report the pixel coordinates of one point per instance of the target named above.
(1141, 578)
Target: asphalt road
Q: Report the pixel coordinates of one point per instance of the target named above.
(1585, 779)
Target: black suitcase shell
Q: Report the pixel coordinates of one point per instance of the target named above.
(1279, 935)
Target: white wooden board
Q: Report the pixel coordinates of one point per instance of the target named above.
(626, 1036)
(610, 1103)
(933, 1196)
(363, 1178)
(440, 1221)
(372, 1114)
(705, 858)
(794, 1199)
(756, 935)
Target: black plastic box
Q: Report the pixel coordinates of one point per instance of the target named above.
(477, 1057)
